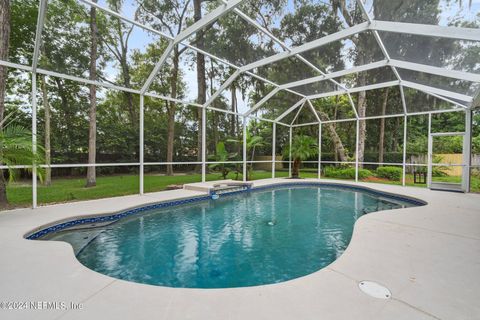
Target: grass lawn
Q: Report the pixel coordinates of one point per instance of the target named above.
(72, 189)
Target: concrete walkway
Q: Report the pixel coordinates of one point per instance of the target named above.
(429, 258)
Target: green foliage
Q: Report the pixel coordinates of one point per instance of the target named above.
(391, 173)
(223, 156)
(67, 189)
(16, 149)
(439, 171)
(252, 142)
(346, 173)
(65, 48)
(303, 147)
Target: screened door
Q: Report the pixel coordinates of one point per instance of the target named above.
(446, 163)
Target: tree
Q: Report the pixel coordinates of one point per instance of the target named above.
(117, 35)
(64, 48)
(381, 143)
(170, 15)
(4, 46)
(362, 55)
(302, 148)
(46, 106)
(16, 149)
(201, 78)
(328, 109)
(253, 142)
(92, 132)
(222, 156)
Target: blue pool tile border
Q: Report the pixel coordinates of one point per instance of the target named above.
(130, 212)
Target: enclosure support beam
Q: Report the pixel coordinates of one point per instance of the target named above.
(170, 38)
(274, 147)
(320, 150)
(308, 46)
(36, 53)
(353, 105)
(313, 111)
(357, 89)
(34, 138)
(404, 103)
(141, 173)
(204, 144)
(38, 33)
(283, 45)
(357, 142)
(262, 101)
(426, 30)
(290, 153)
(336, 74)
(244, 144)
(200, 24)
(222, 88)
(157, 67)
(443, 72)
(378, 39)
(295, 106)
(429, 152)
(467, 149)
(441, 92)
(298, 113)
(404, 167)
(119, 88)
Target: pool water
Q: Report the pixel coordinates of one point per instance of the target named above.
(255, 238)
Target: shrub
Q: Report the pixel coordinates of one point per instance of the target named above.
(346, 173)
(390, 173)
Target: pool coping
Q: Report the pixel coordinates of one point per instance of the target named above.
(112, 217)
(427, 256)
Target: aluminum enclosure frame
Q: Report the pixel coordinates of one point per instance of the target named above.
(462, 102)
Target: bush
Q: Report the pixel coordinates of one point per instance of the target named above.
(346, 173)
(390, 173)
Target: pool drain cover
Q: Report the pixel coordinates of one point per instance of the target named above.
(375, 290)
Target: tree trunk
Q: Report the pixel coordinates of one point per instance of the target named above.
(171, 106)
(201, 78)
(381, 143)
(67, 116)
(126, 79)
(46, 105)
(4, 46)
(296, 168)
(363, 51)
(128, 95)
(337, 142)
(92, 132)
(215, 114)
(362, 108)
(395, 135)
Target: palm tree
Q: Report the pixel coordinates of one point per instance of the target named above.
(16, 149)
(221, 157)
(302, 148)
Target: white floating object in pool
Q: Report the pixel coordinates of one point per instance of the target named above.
(215, 196)
(375, 290)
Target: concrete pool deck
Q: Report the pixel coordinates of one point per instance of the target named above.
(429, 258)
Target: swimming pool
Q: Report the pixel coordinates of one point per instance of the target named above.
(250, 238)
